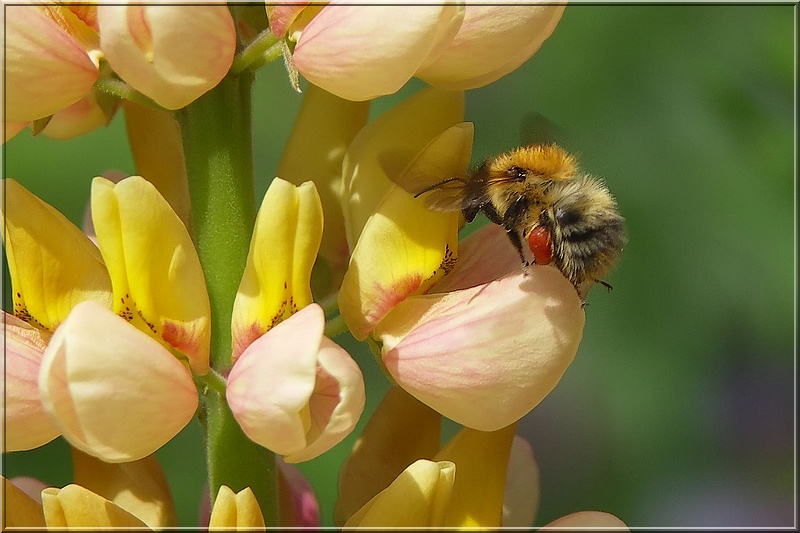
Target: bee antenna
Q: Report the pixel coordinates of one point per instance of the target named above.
(604, 284)
(436, 186)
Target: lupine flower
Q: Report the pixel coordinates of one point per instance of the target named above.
(170, 53)
(291, 389)
(62, 286)
(362, 52)
(475, 339)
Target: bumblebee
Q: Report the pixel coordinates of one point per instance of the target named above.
(540, 197)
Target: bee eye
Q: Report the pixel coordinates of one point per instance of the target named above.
(517, 173)
(567, 217)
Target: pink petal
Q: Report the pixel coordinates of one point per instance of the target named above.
(305, 508)
(171, 53)
(485, 356)
(294, 391)
(27, 424)
(484, 256)
(45, 68)
(361, 52)
(336, 403)
(115, 392)
(492, 41)
(272, 381)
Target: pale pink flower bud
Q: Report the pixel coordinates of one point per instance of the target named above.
(26, 424)
(295, 391)
(47, 68)
(361, 52)
(115, 392)
(492, 41)
(170, 53)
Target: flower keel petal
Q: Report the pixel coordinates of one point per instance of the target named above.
(115, 392)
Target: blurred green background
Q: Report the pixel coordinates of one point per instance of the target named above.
(679, 409)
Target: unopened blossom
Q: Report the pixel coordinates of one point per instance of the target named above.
(168, 52)
(77, 507)
(364, 51)
(297, 501)
(51, 59)
(294, 391)
(235, 510)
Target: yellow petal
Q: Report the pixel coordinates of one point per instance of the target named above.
(235, 510)
(77, 507)
(481, 460)
(383, 149)
(157, 149)
(53, 266)
(400, 431)
(276, 279)
(587, 520)
(139, 487)
(156, 274)
(323, 129)
(20, 510)
(404, 247)
(419, 497)
(521, 498)
(25, 421)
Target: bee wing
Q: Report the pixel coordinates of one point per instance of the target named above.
(447, 195)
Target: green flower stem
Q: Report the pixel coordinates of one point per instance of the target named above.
(217, 140)
(120, 89)
(335, 326)
(255, 51)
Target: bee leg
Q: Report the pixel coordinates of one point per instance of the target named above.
(515, 239)
(512, 221)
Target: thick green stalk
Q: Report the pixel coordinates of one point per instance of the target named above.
(217, 139)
